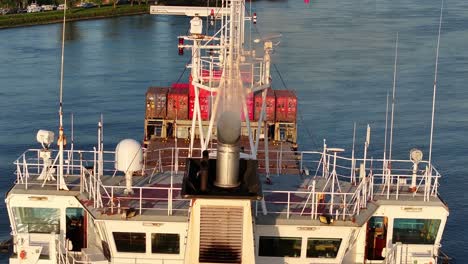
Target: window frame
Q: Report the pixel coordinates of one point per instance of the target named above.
(23, 217)
(309, 239)
(278, 238)
(129, 241)
(408, 241)
(168, 253)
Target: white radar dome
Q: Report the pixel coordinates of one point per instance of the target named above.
(128, 156)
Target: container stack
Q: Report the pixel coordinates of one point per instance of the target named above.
(165, 105)
(269, 107)
(204, 99)
(177, 103)
(156, 102)
(286, 106)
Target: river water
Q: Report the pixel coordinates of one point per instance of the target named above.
(338, 55)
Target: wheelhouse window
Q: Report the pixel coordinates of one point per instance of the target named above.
(323, 247)
(37, 220)
(415, 231)
(130, 242)
(165, 243)
(280, 246)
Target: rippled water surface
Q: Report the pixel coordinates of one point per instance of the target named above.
(338, 55)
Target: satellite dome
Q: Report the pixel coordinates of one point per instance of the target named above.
(128, 156)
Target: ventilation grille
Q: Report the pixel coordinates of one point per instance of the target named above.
(221, 234)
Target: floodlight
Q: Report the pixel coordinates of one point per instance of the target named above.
(416, 155)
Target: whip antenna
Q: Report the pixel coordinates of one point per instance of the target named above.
(435, 83)
(393, 97)
(62, 140)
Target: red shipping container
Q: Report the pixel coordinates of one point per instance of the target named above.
(269, 107)
(286, 106)
(177, 103)
(204, 106)
(156, 102)
(250, 107)
(180, 85)
(202, 93)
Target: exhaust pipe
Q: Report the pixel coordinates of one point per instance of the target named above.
(227, 162)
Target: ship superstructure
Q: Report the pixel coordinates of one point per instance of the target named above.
(219, 177)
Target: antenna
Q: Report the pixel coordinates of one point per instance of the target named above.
(435, 84)
(61, 139)
(384, 169)
(353, 165)
(366, 146)
(393, 97)
(386, 126)
(72, 139)
(101, 146)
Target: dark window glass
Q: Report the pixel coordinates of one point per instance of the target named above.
(323, 247)
(415, 231)
(165, 243)
(37, 220)
(280, 246)
(130, 242)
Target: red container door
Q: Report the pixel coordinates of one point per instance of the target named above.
(204, 107)
(177, 104)
(202, 92)
(286, 106)
(292, 108)
(269, 108)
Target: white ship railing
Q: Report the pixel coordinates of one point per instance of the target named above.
(399, 253)
(382, 180)
(392, 254)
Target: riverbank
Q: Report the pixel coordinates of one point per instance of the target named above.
(42, 18)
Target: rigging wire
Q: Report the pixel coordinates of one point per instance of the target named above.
(299, 112)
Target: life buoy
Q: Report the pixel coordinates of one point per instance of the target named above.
(23, 254)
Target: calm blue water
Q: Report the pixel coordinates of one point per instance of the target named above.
(338, 55)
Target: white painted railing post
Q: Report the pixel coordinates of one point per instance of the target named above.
(169, 195)
(289, 200)
(81, 179)
(141, 197)
(397, 188)
(344, 207)
(313, 211)
(112, 200)
(25, 174)
(38, 161)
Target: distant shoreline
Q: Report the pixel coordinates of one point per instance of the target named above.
(77, 14)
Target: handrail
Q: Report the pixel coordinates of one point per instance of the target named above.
(339, 205)
(391, 254)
